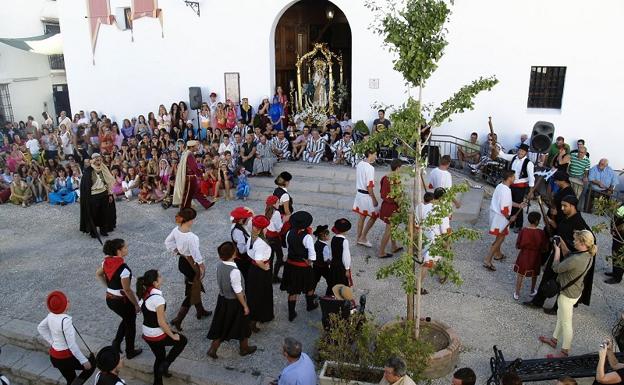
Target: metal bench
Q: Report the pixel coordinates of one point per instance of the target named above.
(542, 369)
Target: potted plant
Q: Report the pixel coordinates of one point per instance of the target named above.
(416, 35)
(354, 350)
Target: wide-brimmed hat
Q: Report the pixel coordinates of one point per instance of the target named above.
(301, 220)
(343, 292)
(107, 358)
(57, 302)
(320, 230)
(341, 225)
(260, 222)
(524, 147)
(241, 213)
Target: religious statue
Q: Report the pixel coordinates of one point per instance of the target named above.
(319, 81)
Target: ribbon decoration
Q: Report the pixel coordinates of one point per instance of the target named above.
(147, 8)
(98, 12)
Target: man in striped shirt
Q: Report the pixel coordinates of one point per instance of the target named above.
(280, 146)
(578, 171)
(343, 150)
(315, 148)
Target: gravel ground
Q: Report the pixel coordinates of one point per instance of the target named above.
(41, 249)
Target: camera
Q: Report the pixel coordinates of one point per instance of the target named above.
(556, 240)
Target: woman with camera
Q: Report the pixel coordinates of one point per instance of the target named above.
(570, 279)
(606, 354)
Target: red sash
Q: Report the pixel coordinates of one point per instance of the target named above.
(297, 263)
(60, 354)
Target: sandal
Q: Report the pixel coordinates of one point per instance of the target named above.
(548, 341)
(397, 249)
(489, 267)
(389, 255)
(503, 256)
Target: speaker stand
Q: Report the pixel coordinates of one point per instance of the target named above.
(198, 125)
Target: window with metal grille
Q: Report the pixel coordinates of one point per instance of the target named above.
(546, 87)
(57, 62)
(6, 111)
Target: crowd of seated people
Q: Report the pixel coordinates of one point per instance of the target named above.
(43, 161)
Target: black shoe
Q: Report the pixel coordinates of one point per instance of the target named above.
(516, 230)
(163, 369)
(311, 303)
(130, 354)
(277, 279)
(551, 311)
(609, 274)
(611, 281)
(531, 304)
(103, 233)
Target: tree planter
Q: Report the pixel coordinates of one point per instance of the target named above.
(446, 345)
(331, 372)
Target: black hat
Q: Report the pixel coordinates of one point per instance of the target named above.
(285, 176)
(300, 220)
(524, 147)
(341, 225)
(561, 176)
(320, 230)
(571, 199)
(107, 358)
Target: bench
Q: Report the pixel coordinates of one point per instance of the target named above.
(541, 369)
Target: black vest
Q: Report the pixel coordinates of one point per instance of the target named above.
(115, 282)
(523, 171)
(296, 250)
(336, 250)
(243, 230)
(108, 379)
(318, 248)
(278, 192)
(150, 319)
(246, 115)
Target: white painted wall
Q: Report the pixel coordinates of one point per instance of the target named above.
(28, 74)
(486, 37)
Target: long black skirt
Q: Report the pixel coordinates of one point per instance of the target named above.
(229, 321)
(103, 213)
(338, 276)
(297, 280)
(259, 291)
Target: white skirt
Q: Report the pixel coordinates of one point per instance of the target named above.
(363, 205)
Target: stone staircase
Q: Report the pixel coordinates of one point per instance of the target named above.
(332, 186)
(25, 361)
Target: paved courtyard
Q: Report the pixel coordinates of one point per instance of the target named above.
(41, 250)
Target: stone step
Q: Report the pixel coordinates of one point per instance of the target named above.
(323, 170)
(308, 184)
(23, 335)
(30, 367)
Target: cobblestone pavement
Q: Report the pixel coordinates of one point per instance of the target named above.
(41, 249)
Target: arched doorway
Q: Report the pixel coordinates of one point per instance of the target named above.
(303, 24)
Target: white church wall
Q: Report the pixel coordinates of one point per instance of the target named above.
(27, 74)
(485, 37)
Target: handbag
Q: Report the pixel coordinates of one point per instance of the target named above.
(552, 288)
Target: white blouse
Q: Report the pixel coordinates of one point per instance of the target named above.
(185, 243)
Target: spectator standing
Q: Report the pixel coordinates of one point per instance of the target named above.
(395, 373)
(300, 368)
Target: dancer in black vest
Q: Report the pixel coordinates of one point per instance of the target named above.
(231, 315)
(323, 257)
(239, 234)
(156, 331)
(285, 199)
(273, 235)
(524, 181)
(58, 330)
(120, 297)
(298, 274)
(185, 244)
(340, 266)
(109, 362)
(259, 287)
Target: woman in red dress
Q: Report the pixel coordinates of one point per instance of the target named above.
(388, 207)
(532, 243)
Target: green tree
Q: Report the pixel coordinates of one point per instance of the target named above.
(414, 32)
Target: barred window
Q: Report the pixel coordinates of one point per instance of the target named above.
(57, 62)
(6, 111)
(546, 87)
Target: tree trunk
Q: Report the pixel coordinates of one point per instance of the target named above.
(416, 203)
(410, 251)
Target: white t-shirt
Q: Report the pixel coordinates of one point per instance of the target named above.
(440, 178)
(185, 243)
(364, 176)
(33, 146)
(155, 299)
(276, 221)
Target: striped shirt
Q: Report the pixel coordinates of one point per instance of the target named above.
(578, 167)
